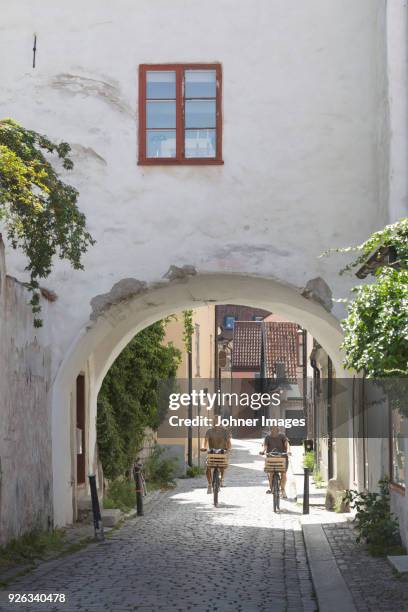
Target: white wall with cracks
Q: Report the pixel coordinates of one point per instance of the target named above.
(25, 417)
(307, 148)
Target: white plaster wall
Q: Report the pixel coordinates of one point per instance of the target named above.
(26, 494)
(397, 76)
(301, 98)
(305, 139)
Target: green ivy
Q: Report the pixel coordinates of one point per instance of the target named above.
(376, 327)
(128, 400)
(39, 210)
(188, 330)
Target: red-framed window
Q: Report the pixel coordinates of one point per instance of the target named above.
(180, 120)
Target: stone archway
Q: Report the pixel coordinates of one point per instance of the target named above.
(129, 307)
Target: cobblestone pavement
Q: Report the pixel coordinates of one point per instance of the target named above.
(371, 580)
(184, 554)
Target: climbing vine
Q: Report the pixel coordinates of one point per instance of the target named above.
(128, 401)
(38, 209)
(376, 327)
(188, 330)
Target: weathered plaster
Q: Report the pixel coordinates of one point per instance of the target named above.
(317, 289)
(25, 416)
(75, 84)
(120, 292)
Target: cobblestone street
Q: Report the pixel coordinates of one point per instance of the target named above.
(371, 580)
(184, 554)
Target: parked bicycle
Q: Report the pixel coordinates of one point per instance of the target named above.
(275, 466)
(138, 469)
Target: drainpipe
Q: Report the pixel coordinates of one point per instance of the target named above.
(316, 371)
(190, 407)
(330, 417)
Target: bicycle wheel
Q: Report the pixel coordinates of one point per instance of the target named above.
(275, 492)
(216, 485)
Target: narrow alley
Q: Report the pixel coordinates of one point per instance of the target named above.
(184, 554)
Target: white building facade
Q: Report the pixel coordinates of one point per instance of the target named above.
(308, 103)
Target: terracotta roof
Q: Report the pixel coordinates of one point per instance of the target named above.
(281, 347)
(247, 346)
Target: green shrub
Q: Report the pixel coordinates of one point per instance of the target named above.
(159, 469)
(309, 460)
(31, 546)
(318, 478)
(121, 494)
(194, 470)
(375, 523)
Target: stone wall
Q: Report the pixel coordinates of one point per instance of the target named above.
(25, 433)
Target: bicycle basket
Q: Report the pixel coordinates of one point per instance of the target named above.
(275, 464)
(217, 460)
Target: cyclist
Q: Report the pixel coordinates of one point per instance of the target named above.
(216, 438)
(277, 441)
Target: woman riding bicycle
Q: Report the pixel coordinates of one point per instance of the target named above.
(276, 441)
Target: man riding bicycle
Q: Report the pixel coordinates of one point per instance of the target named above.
(216, 438)
(276, 441)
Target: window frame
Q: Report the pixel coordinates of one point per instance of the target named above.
(180, 105)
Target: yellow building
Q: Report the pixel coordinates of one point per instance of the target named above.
(198, 367)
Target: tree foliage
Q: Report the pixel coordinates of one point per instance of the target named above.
(128, 400)
(38, 209)
(376, 328)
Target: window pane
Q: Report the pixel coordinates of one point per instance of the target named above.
(200, 143)
(161, 114)
(229, 322)
(160, 85)
(200, 113)
(161, 143)
(200, 83)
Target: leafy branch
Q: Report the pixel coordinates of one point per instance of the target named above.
(376, 327)
(395, 235)
(39, 210)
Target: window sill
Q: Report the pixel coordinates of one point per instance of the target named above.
(397, 488)
(178, 162)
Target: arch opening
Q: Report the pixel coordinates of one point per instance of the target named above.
(99, 344)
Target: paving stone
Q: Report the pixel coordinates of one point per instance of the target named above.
(184, 554)
(372, 582)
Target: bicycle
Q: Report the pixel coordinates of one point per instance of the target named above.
(275, 464)
(217, 458)
(138, 468)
